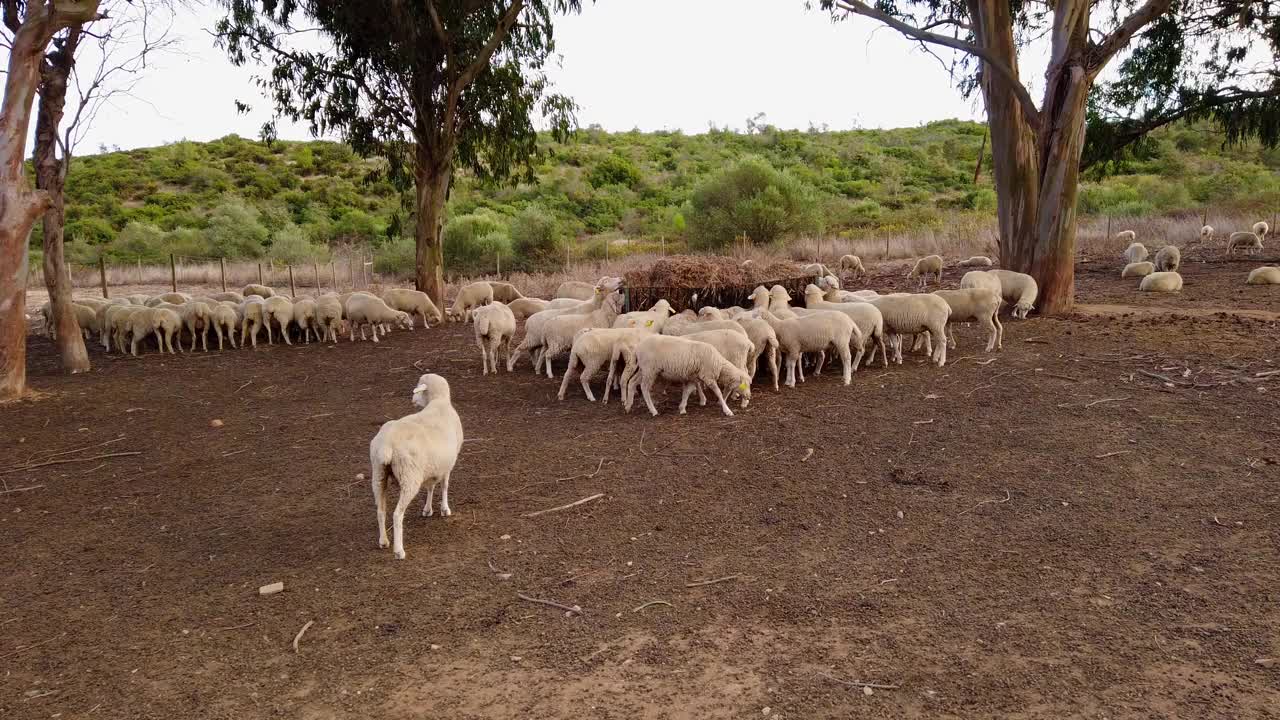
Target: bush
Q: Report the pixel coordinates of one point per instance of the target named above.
(752, 197)
(470, 238)
(235, 231)
(535, 234)
(614, 170)
(291, 245)
(396, 257)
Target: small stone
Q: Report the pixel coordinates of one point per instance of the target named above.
(516, 658)
(766, 710)
(271, 589)
(900, 515)
(435, 647)
(505, 537)
(867, 691)
(359, 476)
(215, 423)
(1265, 662)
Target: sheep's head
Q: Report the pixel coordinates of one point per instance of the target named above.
(779, 293)
(662, 306)
(404, 320)
(430, 387)
(829, 282)
(740, 384)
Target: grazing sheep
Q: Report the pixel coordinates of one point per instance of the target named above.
(817, 270)
(328, 320)
(505, 292)
(1166, 282)
(173, 298)
(472, 295)
(978, 304)
(1130, 236)
(162, 322)
(977, 261)
(1206, 232)
(368, 310)
(679, 325)
(926, 266)
(414, 450)
(1264, 276)
(195, 316)
(575, 290)
(1138, 269)
(1246, 242)
(559, 332)
(815, 333)
(683, 361)
(981, 278)
(304, 316)
(653, 319)
(224, 321)
(278, 309)
(1168, 259)
(593, 347)
(494, 325)
(852, 263)
(138, 299)
(1261, 229)
(1018, 289)
(233, 296)
(526, 306)
(1136, 252)
(253, 316)
(261, 291)
(115, 324)
(764, 340)
(910, 314)
(865, 315)
(734, 346)
(413, 301)
(86, 318)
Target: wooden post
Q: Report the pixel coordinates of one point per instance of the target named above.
(259, 273)
(102, 273)
(498, 260)
(173, 273)
(663, 239)
(315, 265)
(1108, 227)
(567, 243)
(333, 271)
(364, 270)
(222, 268)
(139, 269)
(293, 292)
(351, 270)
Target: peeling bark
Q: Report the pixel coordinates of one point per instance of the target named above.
(432, 186)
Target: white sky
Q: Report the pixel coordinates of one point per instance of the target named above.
(654, 64)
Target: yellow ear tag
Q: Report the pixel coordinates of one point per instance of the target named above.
(649, 324)
(599, 291)
(743, 387)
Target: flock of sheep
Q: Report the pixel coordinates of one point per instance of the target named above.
(1162, 274)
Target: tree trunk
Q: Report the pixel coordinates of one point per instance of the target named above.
(51, 177)
(433, 191)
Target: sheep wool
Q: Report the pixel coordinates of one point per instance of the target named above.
(1138, 269)
(1264, 276)
(1165, 282)
(1168, 259)
(494, 326)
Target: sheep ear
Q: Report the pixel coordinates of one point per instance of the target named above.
(419, 389)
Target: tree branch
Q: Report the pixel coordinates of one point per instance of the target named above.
(1029, 110)
(441, 35)
(1101, 54)
(505, 23)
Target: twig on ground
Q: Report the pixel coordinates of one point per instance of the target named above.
(583, 475)
(985, 362)
(93, 469)
(1061, 377)
(21, 489)
(86, 447)
(235, 627)
(316, 417)
(858, 683)
(922, 422)
(242, 387)
(1096, 402)
(807, 454)
(700, 583)
(989, 502)
(652, 602)
(298, 637)
(550, 603)
(988, 384)
(20, 468)
(575, 503)
(1110, 454)
(32, 645)
(234, 452)
(1037, 340)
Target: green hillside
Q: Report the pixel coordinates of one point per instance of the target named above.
(294, 201)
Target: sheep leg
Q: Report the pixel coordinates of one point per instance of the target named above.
(484, 356)
(702, 397)
(204, 339)
(686, 392)
(270, 339)
(218, 329)
(991, 333)
(995, 318)
(715, 388)
(589, 369)
(427, 510)
(646, 385)
(822, 360)
(444, 494)
(397, 519)
(374, 328)
(845, 364)
(512, 358)
(568, 371)
(608, 381)
(378, 473)
(791, 358)
(940, 353)
(773, 365)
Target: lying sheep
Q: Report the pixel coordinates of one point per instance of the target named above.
(328, 320)
(593, 348)
(1166, 282)
(977, 261)
(413, 301)
(1138, 269)
(261, 291)
(910, 314)
(253, 316)
(852, 263)
(526, 306)
(224, 322)
(278, 310)
(1019, 290)
(414, 450)
(926, 266)
(494, 325)
(1264, 276)
(1245, 242)
(652, 319)
(162, 322)
(817, 270)
(1261, 229)
(815, 333)
(559, 332)
(1136, 252)
(1206, 232)
(1130, 236)
(471, 296)
(978, 304)
(865, 315)
(684, 361)
(1168, 258)
(304, 316)
(173, 298)
(367, 310)
(505, 292)
(764, 340)
(233, 296)
(576, 290)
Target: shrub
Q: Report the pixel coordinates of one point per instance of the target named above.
(614, 170)
(752, 197)
(235, 231)
(291, 245)
(535, 234)
(471, 238)
(396, 257)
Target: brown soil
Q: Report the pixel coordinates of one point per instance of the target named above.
(1049, 534)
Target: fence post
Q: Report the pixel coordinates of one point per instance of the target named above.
(173, 273)
(498, 258)
(606, 248)
(351, 270)
(567, 244)
(139, 269)
(222, 266)
(333, 270)
(293, 292)
(102, 273)
(663, 239)
(259, 273)
(364, 270)
(315, 265)
(1108, 227)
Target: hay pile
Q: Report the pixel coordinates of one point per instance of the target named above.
(708, 272)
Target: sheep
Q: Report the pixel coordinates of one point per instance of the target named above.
(834, 294)
(979, 304)
(559, 332)
(86, 318)
(817, 270)
(926, 266)
(278, 309)
(1264, 276)
(1206, 232)
(764, 340)
(865, 315)
(780, 303)
(261, 291)
(494, 325)
(413, 301)
(195, 316)
(526, 306)
(759, 298)
(1136, 252)
(684, 361)
(231, 295)
(414, 450)
(653, 319)
(368, 310)
(1246, 242)
(680, 326)
(115, 324)
(1138, 269)
(593, 347)
(576, 290)
(907, 314)
(853, 263)
(533, 342)
(1130, 236)
(174, 298)
(138, 299)
(505, 292)
(472, 295)
(304, 316)
(980, 278)
(710, 312)
(815, 333)
(1018, 289)
(1168, 259)
(976, 261)
(1167, 282)
(562, 303)
(163, 322)
(225, 320)
(1261, 228)
(253, 315)
(328, 320)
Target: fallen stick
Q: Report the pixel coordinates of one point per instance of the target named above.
(550, 603)
(922, 422)
(21, 489)
(32, 645)
(989, 502)
(1062, 377)
(1036, 340)
(700, 583)
(301, 632)
(575, 503)
(235, 627)
(86, 447)
(858, 683)
(1107, 455)
(243, 387)
(1096, 402)
(652, 602)
(69, 460)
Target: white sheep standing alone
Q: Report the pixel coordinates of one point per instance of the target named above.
(683, 361)
(1264, 276)
(494, 326)
(471, 296)
(1246, 242)
(415, 450)
(926, 266)
(1166, 282)
(413, 302)
(1206, 232)
(1128, 235)
(1018, 289)
(976, 261)
(1168, 258)
(852, 263)
(1136, 252)
(1138, 269)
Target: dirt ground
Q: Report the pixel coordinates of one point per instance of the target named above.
(1042, 532)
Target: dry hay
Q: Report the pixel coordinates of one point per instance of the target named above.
(708, 272)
